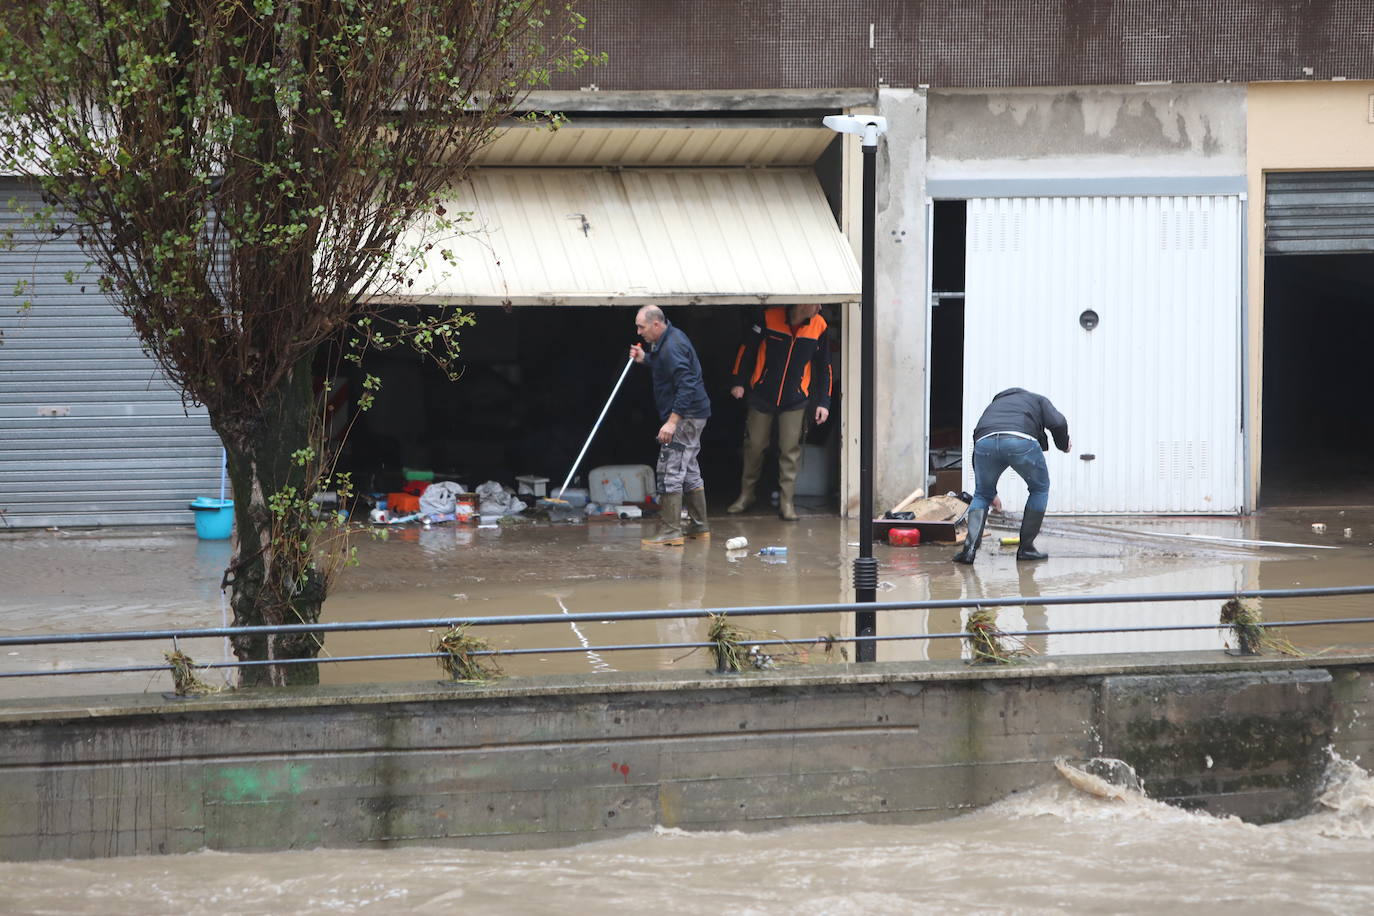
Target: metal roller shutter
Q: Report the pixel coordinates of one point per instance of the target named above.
(1318, 212)
(91, 432)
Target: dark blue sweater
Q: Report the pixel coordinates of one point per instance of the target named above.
(1017, 410)
(676, 371)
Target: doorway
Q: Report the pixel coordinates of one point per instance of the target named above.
(1316, 435)
(945, 434)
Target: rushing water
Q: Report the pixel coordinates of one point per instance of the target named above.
(1049, 850)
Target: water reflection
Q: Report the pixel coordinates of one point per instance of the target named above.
(113, 581)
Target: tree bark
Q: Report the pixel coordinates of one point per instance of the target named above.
(272, 577)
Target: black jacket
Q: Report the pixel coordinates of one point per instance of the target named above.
(676, 371)
(783, 367)
(1017, 410)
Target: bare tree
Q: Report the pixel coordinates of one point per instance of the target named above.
(243, 174)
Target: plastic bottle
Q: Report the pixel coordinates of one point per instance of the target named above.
(738, 543)
(773, 552)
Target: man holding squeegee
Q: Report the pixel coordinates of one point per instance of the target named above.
(683, 406)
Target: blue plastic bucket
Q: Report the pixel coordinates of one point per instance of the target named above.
(214, 518)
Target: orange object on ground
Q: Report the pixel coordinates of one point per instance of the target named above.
(402, 504)
(904, 537)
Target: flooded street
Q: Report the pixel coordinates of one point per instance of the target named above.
(146, 579)
(1048, 850)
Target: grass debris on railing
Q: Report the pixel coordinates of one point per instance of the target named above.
(736, 648)
(830, 645)
(727, 645)
(185, 681)
(988, 644)
(460, 659)
(1252, 637)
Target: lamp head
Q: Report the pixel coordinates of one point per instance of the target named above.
(866, 126)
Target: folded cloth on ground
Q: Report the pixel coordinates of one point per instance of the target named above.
(494, 499)
(441, 497)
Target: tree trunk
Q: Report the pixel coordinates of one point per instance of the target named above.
(272, 577)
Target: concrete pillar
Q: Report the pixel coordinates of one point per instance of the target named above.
(900, 293)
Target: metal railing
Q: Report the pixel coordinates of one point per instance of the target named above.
(177, 634)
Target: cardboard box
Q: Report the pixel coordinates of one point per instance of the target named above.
(945, 481)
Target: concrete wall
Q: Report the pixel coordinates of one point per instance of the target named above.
(1294, 127)
(543, 762)
(1087, 132)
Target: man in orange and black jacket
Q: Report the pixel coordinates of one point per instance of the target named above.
(784, 362)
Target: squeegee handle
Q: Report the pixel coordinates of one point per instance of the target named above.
(573, 470)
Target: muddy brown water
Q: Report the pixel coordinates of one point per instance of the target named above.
(54, 582)
(1048, 850)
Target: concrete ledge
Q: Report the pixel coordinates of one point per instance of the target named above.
(548, 761)
(41, 708)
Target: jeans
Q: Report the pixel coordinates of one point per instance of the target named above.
(994, 454)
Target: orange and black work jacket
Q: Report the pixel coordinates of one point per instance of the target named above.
(783, 367)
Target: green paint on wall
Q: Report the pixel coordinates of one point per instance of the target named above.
(262, 783)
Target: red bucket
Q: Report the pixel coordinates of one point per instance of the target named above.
(904, 537)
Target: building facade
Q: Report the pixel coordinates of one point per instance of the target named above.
(1161, 216)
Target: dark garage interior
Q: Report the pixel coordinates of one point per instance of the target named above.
(1318, 324)
(534, 379)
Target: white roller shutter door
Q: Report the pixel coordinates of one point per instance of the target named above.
(1153, 392)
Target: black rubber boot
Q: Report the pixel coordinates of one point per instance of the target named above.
(1030, 527)
(976, 519)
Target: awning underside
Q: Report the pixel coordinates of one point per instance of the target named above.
(638, 236)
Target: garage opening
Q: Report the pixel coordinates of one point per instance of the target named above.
(535, 378)
(946, 434)
(556, 251)
(1317, 327)
(1318, 287)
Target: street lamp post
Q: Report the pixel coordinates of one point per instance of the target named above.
(869, 127)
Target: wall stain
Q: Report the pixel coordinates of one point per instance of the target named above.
(240, 784)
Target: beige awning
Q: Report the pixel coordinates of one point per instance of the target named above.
(540, 236)
(681, 142)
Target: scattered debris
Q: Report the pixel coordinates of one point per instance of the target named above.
(726, 637)
(1104, 777)
(495, 499)
(829, 643)
(987, 643)
(441, 498)
(185, 681)
(1252, 636)
(760, 660)
(460, 659)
